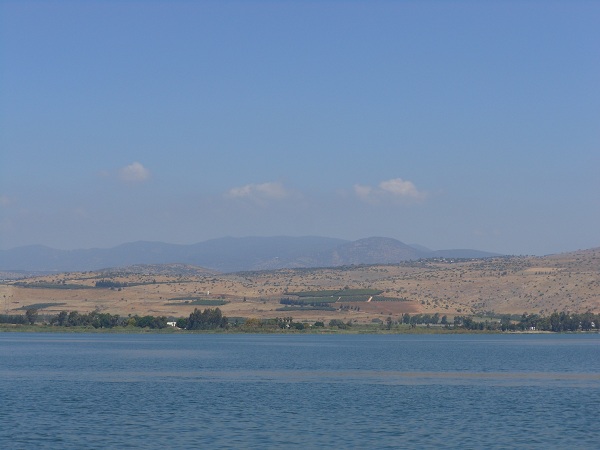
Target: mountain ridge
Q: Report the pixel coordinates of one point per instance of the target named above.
(228, 254)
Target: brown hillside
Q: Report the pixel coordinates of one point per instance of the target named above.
(565, 282)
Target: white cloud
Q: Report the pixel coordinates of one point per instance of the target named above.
(401, 188)
(134, 172)
(264, 191)
(394, 189)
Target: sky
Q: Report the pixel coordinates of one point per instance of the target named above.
(448, 124)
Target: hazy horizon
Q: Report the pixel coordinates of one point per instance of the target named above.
(415, 245)
(460, 124)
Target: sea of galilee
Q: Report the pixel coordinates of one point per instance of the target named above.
(312, 391)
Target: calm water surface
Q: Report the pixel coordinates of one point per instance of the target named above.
(312, 391)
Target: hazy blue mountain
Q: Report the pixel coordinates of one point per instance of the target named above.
(373, 250)
(228, 254)
(41, 258)
(257, 253)
(463, 253)
(421, 248)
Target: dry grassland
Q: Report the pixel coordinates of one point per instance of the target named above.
(568, 282)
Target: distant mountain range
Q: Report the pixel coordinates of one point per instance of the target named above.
(228, 254)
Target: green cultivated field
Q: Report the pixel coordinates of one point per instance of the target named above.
(45, 285)
(196, 301)
(324, 297)
(337, 293)
(40, 306)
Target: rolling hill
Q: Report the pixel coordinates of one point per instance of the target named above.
(485, 287)
(227, 254)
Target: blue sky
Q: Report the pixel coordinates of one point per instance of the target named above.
(449, 124)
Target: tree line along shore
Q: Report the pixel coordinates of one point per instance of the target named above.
(213, 319)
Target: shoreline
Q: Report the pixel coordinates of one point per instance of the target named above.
(368, 330)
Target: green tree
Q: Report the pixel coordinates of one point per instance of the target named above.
(206, 320)
(337, 323)
(61, 319)
(388, 322)
(74, 319)
(31, 314)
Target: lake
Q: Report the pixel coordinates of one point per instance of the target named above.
(73, 391)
